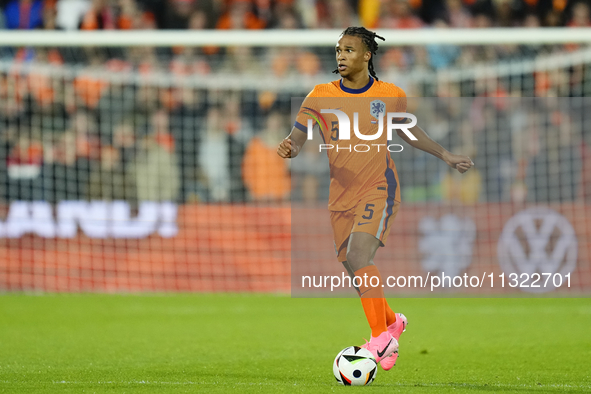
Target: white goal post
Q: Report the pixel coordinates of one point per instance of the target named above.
(278, 38)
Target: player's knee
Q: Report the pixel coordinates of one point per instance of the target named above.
(357, 260)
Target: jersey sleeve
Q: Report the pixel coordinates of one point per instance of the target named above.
(310, 109)
(399, 102)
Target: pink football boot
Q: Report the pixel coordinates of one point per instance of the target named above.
(382, 346)
(395, 329)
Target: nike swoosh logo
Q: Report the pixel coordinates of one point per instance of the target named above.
(361, 224)
(381, 354)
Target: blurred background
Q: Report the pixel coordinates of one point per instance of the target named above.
(155, 168)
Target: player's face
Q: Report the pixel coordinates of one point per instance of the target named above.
(352, 56)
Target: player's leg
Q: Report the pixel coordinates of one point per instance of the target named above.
(342, 225)
(350, 272)
(373, 218)
(395, 324)
(370, 227)
(390, 315)
(360, 252)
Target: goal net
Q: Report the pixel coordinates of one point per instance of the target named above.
(146, 161)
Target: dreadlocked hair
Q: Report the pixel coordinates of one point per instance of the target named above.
(369, 40)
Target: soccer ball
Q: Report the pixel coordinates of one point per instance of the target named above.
(355, 366)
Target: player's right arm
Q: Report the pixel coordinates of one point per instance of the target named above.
(292, 144)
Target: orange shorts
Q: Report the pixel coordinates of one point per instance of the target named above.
(373, 214)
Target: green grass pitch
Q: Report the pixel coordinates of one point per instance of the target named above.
(275, 344)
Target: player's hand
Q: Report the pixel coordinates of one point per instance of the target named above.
(459, 162)
(287, 149)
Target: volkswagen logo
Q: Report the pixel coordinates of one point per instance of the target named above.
(537, 240)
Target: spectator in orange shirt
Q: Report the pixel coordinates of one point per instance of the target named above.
(90, 87)
(266, 178)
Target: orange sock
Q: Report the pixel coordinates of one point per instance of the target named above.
(390, 315)
(372, 299)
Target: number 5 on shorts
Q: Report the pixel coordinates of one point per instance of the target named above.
(368, 208)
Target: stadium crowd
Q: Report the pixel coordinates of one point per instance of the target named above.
(147, 142)
(85, 130)
(198, 15)
(289, 14)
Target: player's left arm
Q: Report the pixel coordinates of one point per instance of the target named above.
(425, 143)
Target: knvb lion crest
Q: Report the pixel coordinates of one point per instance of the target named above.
(376, 108)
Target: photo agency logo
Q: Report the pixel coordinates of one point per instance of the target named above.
(340, 129)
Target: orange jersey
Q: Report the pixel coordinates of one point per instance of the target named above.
(358, 167)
